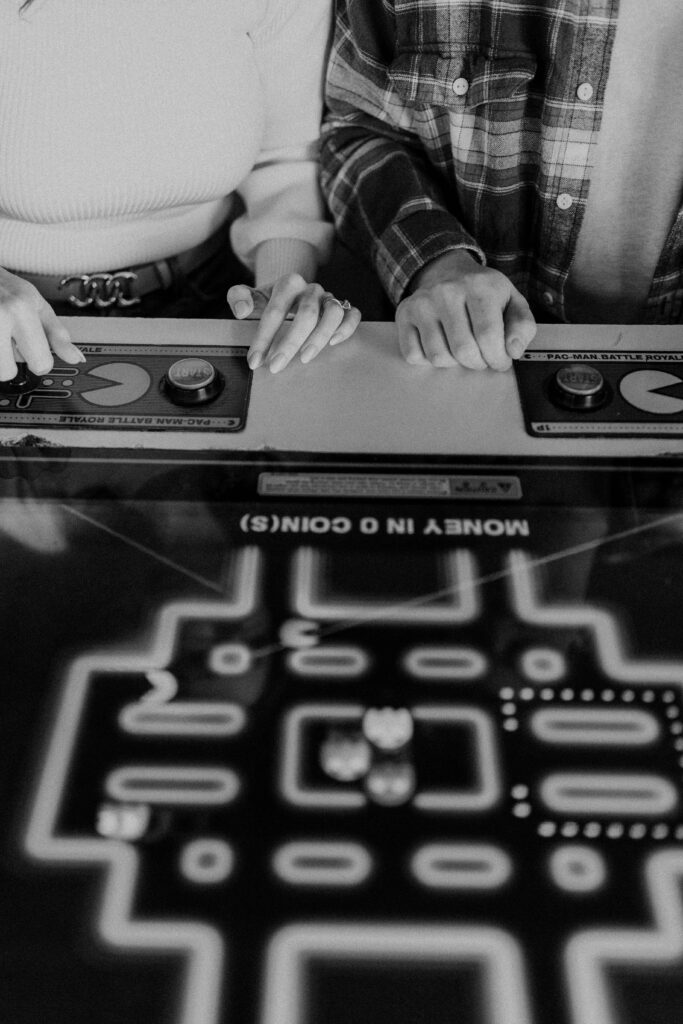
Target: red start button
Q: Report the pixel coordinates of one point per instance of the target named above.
(579, 386)
(192, 381)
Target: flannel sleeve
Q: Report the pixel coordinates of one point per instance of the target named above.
(386, 198)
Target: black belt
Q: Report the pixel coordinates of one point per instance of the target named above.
(124, 287)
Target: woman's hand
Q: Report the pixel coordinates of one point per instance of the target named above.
(317, 319)
(30, 331)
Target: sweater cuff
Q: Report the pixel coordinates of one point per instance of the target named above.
(410, 244)
(279, 256)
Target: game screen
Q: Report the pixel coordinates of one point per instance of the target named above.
(293, 741)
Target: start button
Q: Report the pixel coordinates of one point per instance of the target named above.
(579, 386)
(192, 381)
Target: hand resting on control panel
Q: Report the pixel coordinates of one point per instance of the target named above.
(317, 319)
(461, 313)
(30, 330)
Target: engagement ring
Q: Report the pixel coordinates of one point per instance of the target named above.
(345, 304)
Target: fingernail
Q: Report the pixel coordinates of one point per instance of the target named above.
(77, 355)
(515, 348)
(336, 338)
(307, 354)
(277, 363)
(254, 360)
(242, 308)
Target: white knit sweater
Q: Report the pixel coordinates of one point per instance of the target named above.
(126, 125)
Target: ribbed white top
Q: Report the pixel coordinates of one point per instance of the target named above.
(125, 127)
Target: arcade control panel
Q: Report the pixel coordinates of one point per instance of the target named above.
(622, 393)
(134, 387)
(165, 384)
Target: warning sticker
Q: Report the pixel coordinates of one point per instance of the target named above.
(389, 485)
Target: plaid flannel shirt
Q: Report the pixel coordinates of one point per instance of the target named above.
(461, 124)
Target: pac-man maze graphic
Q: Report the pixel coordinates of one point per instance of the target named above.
(326, 797)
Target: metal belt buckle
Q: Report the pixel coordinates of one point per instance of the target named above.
(102, 290)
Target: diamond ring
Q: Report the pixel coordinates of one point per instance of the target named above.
(343, 304)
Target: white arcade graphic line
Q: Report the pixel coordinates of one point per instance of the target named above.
(481, 794)
(608, 794)
(590, 952)
(458, 600)
(598, 727)
(459, 866)
(479, 582)
(493, 951)
(322, 863)
(610, 648)
(183, 718)
(200, 945)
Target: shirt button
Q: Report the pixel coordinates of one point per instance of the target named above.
(548, 298)
(585, 92)
(564, 201)
(460, 86)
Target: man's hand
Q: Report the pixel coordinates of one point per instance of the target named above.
(460, 313)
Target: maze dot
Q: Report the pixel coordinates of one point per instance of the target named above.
(577, 869)
(543, 665)
(520, 792)
(232, 659)
(570, 829)
(206, 861)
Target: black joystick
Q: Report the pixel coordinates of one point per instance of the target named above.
(192, 381)
(579, 387)
(22, 384)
